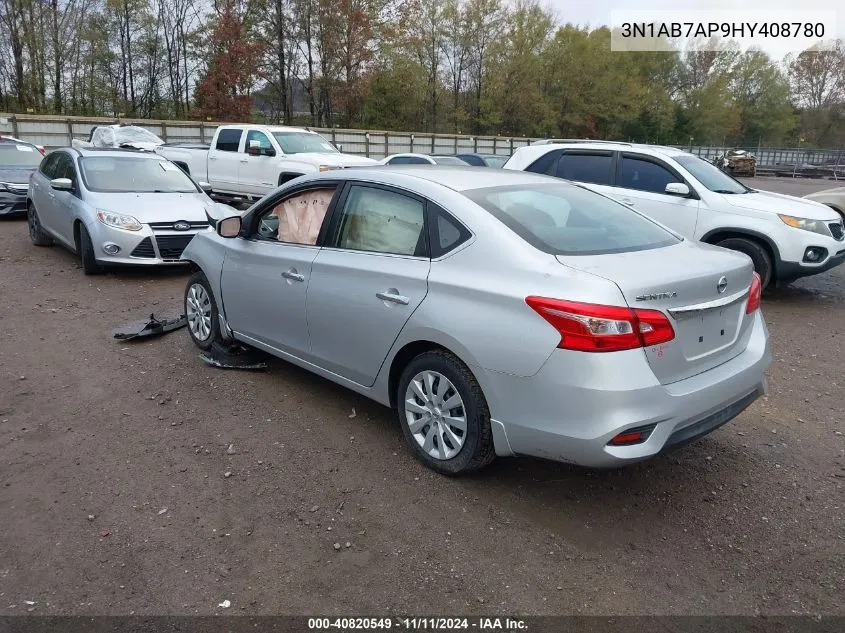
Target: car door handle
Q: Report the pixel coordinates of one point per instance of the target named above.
(52, 195)
(293, 275)
(393, 296)
(244, 160)
(212, 158)
(627, 201)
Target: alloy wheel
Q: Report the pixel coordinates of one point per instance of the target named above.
(198, 312)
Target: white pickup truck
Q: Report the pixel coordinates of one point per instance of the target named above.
(249, 161)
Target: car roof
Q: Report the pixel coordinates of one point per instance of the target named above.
(533, 152)
(455, 177)
(481, 155)
(115, 151)
(270, 128)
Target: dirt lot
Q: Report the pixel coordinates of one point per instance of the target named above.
(114, 497)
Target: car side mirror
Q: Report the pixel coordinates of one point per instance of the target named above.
(253, 151)
(205, 186)
(677, 189)
(62, 184)
(268, 151)
(229, 227)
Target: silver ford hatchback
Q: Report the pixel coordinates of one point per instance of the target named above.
(499, 313)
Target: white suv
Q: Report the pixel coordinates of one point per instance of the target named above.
(785, 237)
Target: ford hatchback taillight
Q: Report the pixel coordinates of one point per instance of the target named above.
(589, 327)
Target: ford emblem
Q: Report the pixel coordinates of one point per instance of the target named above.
(181, 226)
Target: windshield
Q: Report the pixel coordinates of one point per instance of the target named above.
(495, 161)
(131, 134)
(449, 160)
(710, 176)
(133, 174)
(569, 220)
(23, 156)
(301, 142)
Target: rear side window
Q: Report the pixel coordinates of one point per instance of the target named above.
(228, 140)
(644, 175)
(568, 220)
(446, 232)
(586, 167)
(546, 164)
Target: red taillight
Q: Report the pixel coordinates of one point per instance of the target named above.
(755, 294)
(588, 327)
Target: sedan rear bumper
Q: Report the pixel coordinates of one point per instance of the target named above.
(571, 409)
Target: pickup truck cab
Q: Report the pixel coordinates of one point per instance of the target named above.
(252, 160)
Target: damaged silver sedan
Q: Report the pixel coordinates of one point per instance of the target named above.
(498, 313)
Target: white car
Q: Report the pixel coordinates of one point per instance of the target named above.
(250, 161)
(785, 237)
(410, 158)
(834, 198)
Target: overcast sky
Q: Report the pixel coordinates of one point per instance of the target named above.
(596, 13)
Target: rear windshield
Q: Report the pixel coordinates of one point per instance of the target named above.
(134, 174)
(14, 155)
(568, 220)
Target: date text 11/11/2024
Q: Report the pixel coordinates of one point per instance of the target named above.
(418, 624)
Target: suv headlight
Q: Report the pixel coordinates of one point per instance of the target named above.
(816, 226)
(118, 221)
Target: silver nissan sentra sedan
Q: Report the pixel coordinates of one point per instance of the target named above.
(499, 313)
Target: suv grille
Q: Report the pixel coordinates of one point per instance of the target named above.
(836, 230)
(171, 246)
(144, 249)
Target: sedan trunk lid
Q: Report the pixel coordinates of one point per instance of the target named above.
(702, 289)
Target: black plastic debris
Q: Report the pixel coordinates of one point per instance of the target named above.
(234, 357)
(152, 327)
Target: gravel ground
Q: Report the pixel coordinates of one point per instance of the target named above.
(120, 492)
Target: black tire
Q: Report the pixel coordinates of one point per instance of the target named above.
(90, 265)
(477, 450)
(199, 279)
(758, 254)
(37, 234)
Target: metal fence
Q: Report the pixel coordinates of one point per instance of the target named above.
(54, 131)
(774, 156)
